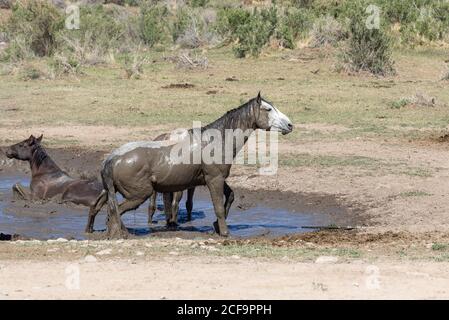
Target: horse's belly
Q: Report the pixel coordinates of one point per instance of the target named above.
(177, 178)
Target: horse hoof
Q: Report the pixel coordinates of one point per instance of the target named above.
(217, 230)
(172, 226)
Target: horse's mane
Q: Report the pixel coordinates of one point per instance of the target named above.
(40, 156)
(233, 118)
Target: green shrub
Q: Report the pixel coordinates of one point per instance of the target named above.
(230, 20)
(102, 30)
(32, 28)
(182, 20)
(299, 21)
(256, 32)
(368, 49)
(198, 3)
(153, 25)
(284, 34)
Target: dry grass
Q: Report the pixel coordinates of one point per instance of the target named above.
(361, 104)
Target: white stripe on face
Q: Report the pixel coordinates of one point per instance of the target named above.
(276, 119)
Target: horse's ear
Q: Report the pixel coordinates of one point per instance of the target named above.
(38, 140)
(259, 98)
(31, 140)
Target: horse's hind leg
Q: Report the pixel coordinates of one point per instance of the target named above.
(93, 211)
(115, 226)
(168, 198)
(173, 222)
(229, 198)
(128, 205)
(20, 192)
(189, 203)
(152, 207)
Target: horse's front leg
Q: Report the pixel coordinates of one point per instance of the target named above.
(152, 207)
(189, 203)
(216, 186)
(174, 208)
(229, 198)
(20, 192)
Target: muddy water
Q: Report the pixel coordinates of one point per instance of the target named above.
(53, 220)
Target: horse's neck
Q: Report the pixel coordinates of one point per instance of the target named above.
(244, 122)
(41, 163)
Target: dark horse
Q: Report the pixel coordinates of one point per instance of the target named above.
(138, 169)
(47, 179)
(172, 199)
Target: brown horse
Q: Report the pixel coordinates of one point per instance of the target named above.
(47, 179)
(172, 199)
(138, 169)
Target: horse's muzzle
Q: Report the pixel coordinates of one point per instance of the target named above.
(8, 154)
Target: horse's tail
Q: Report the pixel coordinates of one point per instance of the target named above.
(109, 187)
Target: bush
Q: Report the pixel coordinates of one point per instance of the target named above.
(63, 65)
(133, 64)
(153, 26)
(198, 3)
(368, 49)
(256, 32)
(230, 20)
(102, 30)
(284, 34)
(326, 31)
(299, 21)
(32, 29)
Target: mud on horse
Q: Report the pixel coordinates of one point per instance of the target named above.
(172, 199)
(138, 169)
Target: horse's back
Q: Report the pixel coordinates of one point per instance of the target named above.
(84, 192)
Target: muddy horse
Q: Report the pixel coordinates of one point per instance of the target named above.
(47, 179)
(172, 199)
(138, 169)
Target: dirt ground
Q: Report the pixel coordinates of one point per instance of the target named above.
(398, 251)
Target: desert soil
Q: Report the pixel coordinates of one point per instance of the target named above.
(405, 257)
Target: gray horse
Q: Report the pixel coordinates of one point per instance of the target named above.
(172, 199)
(138, 169)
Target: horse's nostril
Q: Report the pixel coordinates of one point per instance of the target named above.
(290, 126)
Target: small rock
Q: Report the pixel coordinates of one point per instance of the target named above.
(53, 250)
(235, 257)
(326, 259)
(173, 253)
(139, 253)
(104, 252)
(90, 259)
(61, 240)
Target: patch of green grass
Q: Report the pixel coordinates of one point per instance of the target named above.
(308, 160)
(416, 172)
(439, 247)
(415, 193)
(398, 104)
(297, 253)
